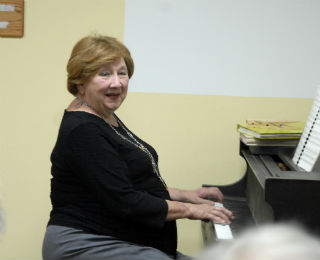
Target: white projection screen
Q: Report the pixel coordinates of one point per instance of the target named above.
(262, 48)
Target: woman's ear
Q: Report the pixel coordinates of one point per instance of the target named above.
(81, 89)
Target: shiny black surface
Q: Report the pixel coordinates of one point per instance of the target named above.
(267, 193)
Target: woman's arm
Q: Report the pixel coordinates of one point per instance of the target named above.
(177, 210)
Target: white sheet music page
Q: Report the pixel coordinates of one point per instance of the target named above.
(308, 149)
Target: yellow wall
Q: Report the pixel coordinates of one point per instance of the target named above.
(196, 139)
(194, 135)
(33, 95)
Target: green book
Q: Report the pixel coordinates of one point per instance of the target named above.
(272, 129)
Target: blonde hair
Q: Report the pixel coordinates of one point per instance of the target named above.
(90, 54)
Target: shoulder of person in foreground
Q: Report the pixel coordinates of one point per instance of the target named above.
(269, 241)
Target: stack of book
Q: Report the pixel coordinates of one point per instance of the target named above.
(270, 133)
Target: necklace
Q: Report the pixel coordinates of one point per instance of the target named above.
(132, 141)
(137, 144)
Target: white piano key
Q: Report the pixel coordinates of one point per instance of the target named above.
(222, 231)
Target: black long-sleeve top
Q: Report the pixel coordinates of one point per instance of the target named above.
(105, 185)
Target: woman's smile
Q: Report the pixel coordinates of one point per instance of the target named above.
(106, 90)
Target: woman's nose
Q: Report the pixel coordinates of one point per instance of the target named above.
(115, 81)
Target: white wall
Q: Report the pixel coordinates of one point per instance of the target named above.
(266, 48)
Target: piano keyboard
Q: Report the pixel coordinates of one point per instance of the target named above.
(242, 219)
(222, 231)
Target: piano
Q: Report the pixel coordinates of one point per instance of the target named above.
(272, 189)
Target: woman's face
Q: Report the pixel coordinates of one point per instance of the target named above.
(106, 90)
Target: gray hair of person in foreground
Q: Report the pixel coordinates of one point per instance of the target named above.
(270, 241)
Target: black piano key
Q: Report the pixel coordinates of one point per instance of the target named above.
(241, 212)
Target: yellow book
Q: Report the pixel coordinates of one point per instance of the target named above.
(272, 129)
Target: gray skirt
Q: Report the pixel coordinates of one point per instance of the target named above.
(69, 243)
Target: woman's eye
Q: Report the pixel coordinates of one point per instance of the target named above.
(123, 73)
(104, 74)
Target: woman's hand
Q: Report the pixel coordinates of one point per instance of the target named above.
(177, 210)
(196, 196)
(208, 212)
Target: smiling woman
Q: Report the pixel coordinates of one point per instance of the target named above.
(108, 198)
(104, 92)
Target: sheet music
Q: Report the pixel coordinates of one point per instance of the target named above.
(308, 149)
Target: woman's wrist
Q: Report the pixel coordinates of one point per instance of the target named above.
(178, 210)
(178, 195)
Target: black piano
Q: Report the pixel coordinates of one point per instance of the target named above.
(272, 189)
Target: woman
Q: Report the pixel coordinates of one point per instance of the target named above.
(109, 200)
